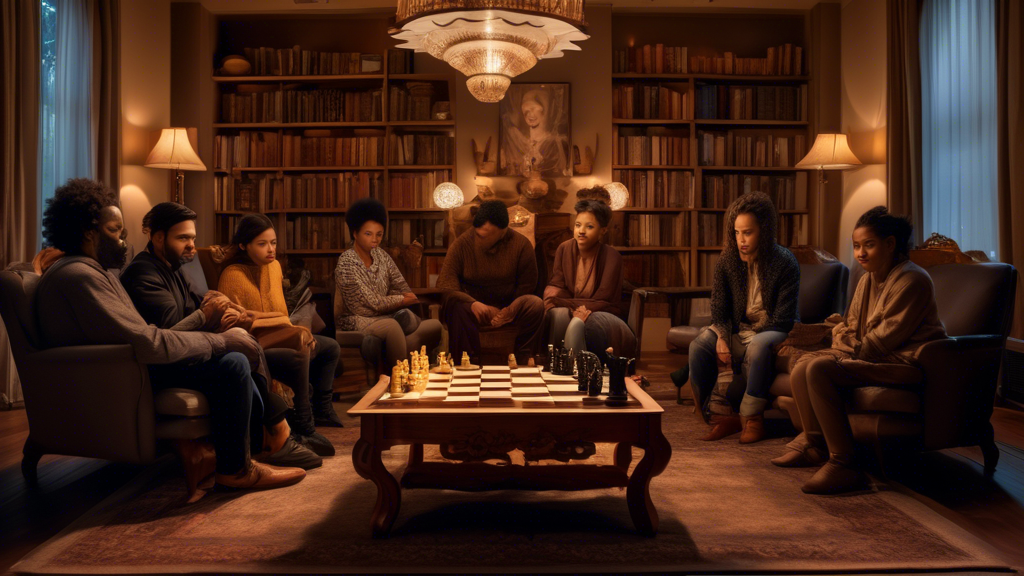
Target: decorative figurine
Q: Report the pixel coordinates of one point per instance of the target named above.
(617, 368)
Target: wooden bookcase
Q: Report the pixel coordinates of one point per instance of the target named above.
(314, 186)
(688, 210)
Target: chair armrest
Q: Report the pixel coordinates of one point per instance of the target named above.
(635, 319)
(960, 377)
(92, 401)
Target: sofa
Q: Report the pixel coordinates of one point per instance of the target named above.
(954, 404)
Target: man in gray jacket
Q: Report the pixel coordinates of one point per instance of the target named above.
(78, 302)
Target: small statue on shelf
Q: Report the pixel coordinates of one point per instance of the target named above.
(617, 368)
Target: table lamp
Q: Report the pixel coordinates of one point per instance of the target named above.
(830, 152)
(173, 152)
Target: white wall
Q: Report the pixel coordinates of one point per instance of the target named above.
(863, 73)
(145, 107)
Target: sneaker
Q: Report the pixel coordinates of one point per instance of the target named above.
(292, 455)
(316, 442)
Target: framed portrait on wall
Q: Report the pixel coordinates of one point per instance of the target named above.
(534, 131)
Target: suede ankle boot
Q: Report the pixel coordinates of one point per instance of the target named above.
(838, 475)
(723, 426)
(753, 429)
(800, 458)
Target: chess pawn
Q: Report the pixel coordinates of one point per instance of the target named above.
(396, 382)
(465, 360)
(512, 361)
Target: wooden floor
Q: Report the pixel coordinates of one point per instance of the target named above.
(950, 482)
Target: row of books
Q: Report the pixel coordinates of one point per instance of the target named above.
(421, 149)
(789, 192)
(650, 59)
(709, 230)
(661, 270)
(735, 149)
(412, 101)
(657, 188)
(316, 233)
(793, 230)
(295, 61)
(430, 231)
(267, 192)
(650, 102)
(751, 102)
(316, 105)
(321, 269)
(642, 150)
(400, 61)
(254, 149)
(706, 262)
(783, 60)
(658, 230)
(415, 189)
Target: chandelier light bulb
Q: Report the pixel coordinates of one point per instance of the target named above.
(619, 194)
(448, 196)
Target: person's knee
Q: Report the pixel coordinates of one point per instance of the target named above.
(533, 304)
(817, 372)
(704, 343)
(233, 368)
(329, 348)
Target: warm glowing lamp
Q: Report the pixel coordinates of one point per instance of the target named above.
(173, 152)
(448, 196)
(619, 194)
(830, 152)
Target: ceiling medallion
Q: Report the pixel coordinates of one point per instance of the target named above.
(490, 41)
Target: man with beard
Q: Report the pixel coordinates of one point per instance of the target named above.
(79, 303)
(165, 296)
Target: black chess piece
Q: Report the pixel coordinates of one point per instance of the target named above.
(618, 366)
(588, 365)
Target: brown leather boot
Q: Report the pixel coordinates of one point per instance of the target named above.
(753, 429)
(836, 477)
(723, 426)
(259, 476)
(200, 462)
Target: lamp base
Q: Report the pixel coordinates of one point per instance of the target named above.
(179, 187)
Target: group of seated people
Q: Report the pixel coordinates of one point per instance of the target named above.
(239, 347)
(754, 308)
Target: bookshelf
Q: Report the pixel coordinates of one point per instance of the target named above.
(695, 126)
(331, 113)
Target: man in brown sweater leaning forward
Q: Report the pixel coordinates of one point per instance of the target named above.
(489, 277)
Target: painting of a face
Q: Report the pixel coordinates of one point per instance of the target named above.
(534, 135)
(533, 113)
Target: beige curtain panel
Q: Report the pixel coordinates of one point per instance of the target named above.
(1010, 182)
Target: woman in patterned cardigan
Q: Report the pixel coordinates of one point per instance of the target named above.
(373, 289)
(753, 308)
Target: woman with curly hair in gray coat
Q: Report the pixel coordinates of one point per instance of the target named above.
(753, 308)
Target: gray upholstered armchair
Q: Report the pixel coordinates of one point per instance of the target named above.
(91, 401)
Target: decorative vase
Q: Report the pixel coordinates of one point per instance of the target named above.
(235, 65)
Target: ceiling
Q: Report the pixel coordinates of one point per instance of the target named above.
(343, 6)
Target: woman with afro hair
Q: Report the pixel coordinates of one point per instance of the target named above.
(753, 308)
(892, 313)
(375, 293)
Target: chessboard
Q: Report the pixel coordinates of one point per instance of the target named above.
(499, 386)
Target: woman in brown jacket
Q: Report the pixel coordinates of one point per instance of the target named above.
(583, 299)
(891, 315)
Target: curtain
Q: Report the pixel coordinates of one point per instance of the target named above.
(19, 137)
(1010, 150)
(903, 105)
(69, 152)
(106, 117)
(958, 118)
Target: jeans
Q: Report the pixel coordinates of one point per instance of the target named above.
(236, 409)
(755, 360)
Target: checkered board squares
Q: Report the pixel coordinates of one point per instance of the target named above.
(497, 386)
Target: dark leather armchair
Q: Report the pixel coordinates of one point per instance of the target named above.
(91, 401)
(953, 406)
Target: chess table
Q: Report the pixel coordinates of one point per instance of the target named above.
(475, 415)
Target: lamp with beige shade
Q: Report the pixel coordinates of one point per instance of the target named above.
(830, 152)
(174, 152)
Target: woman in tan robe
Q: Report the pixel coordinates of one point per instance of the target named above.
(891, 315)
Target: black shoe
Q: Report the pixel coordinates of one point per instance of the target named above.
(316, 442)
(679, 377)
(293, 455)
(327, 417)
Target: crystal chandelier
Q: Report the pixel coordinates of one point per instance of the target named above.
(490, 41)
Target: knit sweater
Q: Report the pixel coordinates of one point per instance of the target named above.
(607, 296)
(254, 287)
(78, 303)
(496, 276)
(780, 289)
(370, 294)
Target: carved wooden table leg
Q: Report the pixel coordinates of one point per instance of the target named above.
(623, 455)
(638, 494)
(367, 462)
(415, 454)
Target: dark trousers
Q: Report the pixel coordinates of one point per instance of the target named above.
(236, 409)
(464, 330)
(299, 370)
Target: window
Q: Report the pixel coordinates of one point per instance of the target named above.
(958, 120)
(47, 111)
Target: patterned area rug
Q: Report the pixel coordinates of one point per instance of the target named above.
(723, 508)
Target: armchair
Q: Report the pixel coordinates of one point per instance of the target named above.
(91, 401)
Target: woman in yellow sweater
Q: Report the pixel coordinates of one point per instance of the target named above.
(254, 280)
